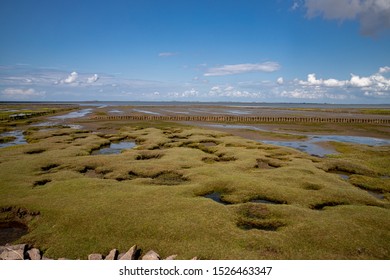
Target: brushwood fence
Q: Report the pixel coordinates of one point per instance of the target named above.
(240, 119)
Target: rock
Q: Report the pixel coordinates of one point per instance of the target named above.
(13, 252)
(151, 256)
(112, 255)
(131, 254)
(170, 258)
(34, 254)
(194, 259)
(120, 256)
(95, 257)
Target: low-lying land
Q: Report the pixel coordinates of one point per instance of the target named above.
(193, 191)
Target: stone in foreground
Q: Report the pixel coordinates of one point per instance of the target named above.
(15, 252)
(112, 255)
(34, 254)
(131, 254)
(95, 257)
(151, 256)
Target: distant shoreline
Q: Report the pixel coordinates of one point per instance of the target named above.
(189, 103)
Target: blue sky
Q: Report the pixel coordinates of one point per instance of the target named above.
(334, 51)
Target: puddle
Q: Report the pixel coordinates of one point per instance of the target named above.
(204, 111)
(235, 126)
(115, 148)
(116, 111)
(20, 115)
(216, 196)
(11, 231)
(73, 115)
(307, 147)
(321, 206)
(53, 124)
(376, 195)
(237, 112)
(146, 112)
(17, 134)
(42, 124)
(311, 145)
(343, 175)
(74, 126)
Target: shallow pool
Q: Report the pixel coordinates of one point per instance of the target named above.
(115, 148)
(312, 144)
(19, 138)
(73, 115)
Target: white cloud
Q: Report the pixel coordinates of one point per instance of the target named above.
(316, 93)
(242, 68)
(383, 70)
(334, 83)
(357, 81)
(92, 79)
(190, 93)
(21, 93)
(295, 6)
(167, 54)
(374, 85)
(231, 92)
(71, 78)
(280, 81)
(373, 15)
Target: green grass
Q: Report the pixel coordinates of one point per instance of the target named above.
(153, 195)
(376, 111)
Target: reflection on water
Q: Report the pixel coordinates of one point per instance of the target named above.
(307, 146)
(216, 196)
(19, 138)
(377, 195)
(235, 126)
(73, 115)
(114, 148)
(146, 112)
(311, 144)
(237, 112)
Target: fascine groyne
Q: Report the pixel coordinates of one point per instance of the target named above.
(246, 119)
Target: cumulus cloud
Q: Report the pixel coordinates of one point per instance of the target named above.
(383, 70)
(93, 79)
(374, 85)
(313, 81)
(243, 68)
(280, 81)
(21, 93)
(71, 78)
(357, 81)
(373, 15)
